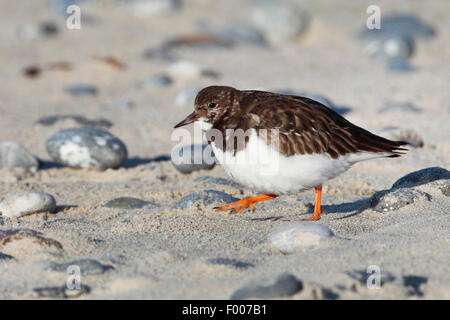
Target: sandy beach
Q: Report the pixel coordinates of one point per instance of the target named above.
(152, 250)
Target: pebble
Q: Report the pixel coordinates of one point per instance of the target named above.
(151, 8)
(285, 286)
(206, 196)
(128, 203)
(82, 90)
(60, 6)
(87, 267)
(187, 70)
(194, 157)
(231, 262)
(280, 21)
(292, 236)
(27, 203)
(61, 292)
(391, 49)
(406, 135)
(159, 80)
(81, 120)
(186, 97)
(394, 199)
(15, 155)
(244, 34)
(216, 180)
(422, 176)
(40, 30)
(87, 148)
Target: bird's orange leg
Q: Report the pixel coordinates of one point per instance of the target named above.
(316, 215)
(246, 202)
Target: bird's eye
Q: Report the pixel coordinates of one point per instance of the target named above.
(211, 105)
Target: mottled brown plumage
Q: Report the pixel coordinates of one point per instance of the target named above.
(304, 126)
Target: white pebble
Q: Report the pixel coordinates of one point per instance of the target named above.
(31, 202)
(291, 236)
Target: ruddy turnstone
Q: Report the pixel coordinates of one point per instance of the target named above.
(281, 144)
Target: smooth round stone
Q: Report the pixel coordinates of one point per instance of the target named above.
(87, 267)
(160, 80)
(391, 49)
(422, 176)
(194, 157)
(128, 203)
(44, 29)
(152, 7)
(22, 204)
(291, 236)
(280, 21)
(87, 148)
(206, 196)
(394, 199)
(186, 97)
(245, 35)
(216, 180)
(285, 286)
(82, 90)
(14, 155)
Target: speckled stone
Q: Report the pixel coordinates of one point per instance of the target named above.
(27, 203)
(394, 199)
(206, 196)
(217, 180)
(194, 157)
(87, 148)
(15, 155)
(285, 286)
(422, 176)
(292, 236)
(87, 267)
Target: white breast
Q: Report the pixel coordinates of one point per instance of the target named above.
(262, 168)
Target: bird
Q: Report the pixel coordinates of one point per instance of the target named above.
(281, 144)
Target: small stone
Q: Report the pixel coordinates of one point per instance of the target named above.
(15, 155)
(82, 90)
(160, 80)
(280, 21)
(87, 148)
(422, 176)
(186, 97)
(285, 286)
(187, 70)
(152, 7)
(391, 48)
(60, 6)
(51, 120)
(216, 180)
(394, 199)
(128, 203)
(244, 34)
(40, 30)
(206, 196)
(292, 236)
(409, 136)
(87, 267)
(400, 107)
(61, 292)
(189, 158)
(27, 203)
(231, 262)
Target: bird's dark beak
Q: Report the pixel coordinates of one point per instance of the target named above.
(189, 119)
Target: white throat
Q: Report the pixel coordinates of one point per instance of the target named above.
(203, 124)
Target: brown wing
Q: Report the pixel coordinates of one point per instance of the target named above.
(306, 126)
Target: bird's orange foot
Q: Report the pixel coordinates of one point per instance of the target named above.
(314, 216)
(244, 203)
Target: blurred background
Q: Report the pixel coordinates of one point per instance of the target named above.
(133, 67)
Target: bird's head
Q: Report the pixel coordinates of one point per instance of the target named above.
(210, 105)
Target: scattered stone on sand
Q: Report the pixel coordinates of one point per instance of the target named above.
(150, 8)
(128, 203)
(285, 286)
(81, 120)
(407, 135)
(194, 157)
(413, 284)
(21, 243)
(183, 70)
(61, 292)
(159, 80)
(422, 176)
(244, 34)
(217, 180)
(206, 196)
(82, 90)
(280, 21)
(27, 203)
(87, 267)
(60, 6)
(87, 148)
(122, 104)
(291, 236)
(15, 155)
(390, 49)
(34, 31)
(394, 199)
(186, 97)
(400, 107)
(231, 262)
(5, 257)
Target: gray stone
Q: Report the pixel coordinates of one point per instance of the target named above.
(27, 203)
(216, 180)
(87, 148)
(51, 120)
(391, 49)
(34, 31)
(159, 80)
(394, 199)
(87, 267)
(128, 203)
(186, 97)
(206, 196)
(60, 6)
(422, 176)
(15, 155)
(285, 286)
(280, 21)
(82, 90)
(292, 236)
(231, 262)
(244, 34)
(194, 157)
(152, 7)
(61, 292)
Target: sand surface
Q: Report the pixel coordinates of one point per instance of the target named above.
(162, 253)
